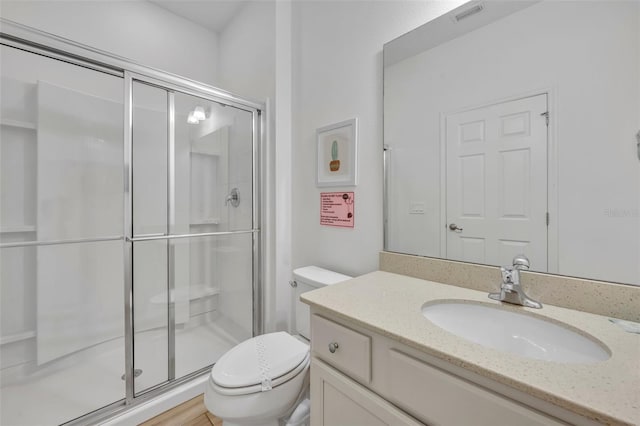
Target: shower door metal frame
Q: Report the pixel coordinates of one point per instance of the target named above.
(19, 36)
(130, 239)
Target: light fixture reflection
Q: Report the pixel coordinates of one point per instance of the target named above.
(191, 119)
(199, 114)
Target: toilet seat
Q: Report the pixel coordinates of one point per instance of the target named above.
(258, 387)
(259, 364)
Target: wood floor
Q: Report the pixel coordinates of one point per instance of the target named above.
(190, 413)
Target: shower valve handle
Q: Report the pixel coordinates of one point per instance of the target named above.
(233, 198)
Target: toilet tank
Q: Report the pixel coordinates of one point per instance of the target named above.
(306, 279)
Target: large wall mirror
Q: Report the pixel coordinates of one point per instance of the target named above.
(514, 127)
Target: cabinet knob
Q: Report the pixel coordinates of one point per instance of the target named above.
(333, 346)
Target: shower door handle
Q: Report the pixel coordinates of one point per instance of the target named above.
(171, 309)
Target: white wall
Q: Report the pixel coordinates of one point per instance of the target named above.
(337, 74)
(137, 30)
(247, 52)
(594, 109)
(281, 167)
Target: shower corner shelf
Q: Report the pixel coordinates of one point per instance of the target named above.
(17, 337)
(205, 221)
(18, 123)
(185, 294)
(17, 229)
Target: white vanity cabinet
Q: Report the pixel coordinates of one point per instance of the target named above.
(362, 378)
(337, 400)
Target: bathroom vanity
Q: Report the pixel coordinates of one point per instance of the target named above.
(377, 360)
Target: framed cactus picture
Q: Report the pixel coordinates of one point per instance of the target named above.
(337, 154)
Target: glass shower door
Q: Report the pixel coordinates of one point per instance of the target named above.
(193, 239)
(213, 272)
(61, 213)
(150, 258)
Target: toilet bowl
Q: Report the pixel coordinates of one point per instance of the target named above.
(261, 380)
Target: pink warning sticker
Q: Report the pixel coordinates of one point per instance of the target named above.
(336, 209)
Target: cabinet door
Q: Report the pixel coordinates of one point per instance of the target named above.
(338, 401)
(430, 393)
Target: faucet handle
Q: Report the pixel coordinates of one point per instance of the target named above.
(521, 261)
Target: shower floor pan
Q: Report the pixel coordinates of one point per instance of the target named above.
(86, 381)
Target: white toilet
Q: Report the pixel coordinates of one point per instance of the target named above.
(261, 379)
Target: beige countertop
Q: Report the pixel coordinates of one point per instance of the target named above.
(390, 304)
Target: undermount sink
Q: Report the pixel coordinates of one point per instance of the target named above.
(520, 334)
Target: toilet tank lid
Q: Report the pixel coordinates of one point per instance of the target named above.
(318, 277)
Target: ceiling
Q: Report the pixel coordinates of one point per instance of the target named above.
(211, 14)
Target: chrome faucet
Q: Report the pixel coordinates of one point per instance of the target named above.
(510, 289)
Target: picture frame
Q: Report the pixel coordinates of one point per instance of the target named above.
(337, 159)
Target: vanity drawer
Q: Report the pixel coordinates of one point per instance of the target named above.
(437, 397)
(345, 349)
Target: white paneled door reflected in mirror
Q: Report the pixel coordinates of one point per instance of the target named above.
(513, 130)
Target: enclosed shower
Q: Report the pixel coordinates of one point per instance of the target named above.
(129, 229)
